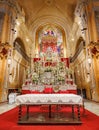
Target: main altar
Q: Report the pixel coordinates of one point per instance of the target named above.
(49, 76)
(49, 71)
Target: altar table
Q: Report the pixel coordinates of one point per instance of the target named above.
(49, 99)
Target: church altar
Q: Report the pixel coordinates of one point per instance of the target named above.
(50, 100)
(49, 71)
(49, 77)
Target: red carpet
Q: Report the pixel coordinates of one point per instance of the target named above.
(8, 121)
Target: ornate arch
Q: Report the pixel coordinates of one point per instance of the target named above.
(20, 43)
(19, 46)
(80, 45)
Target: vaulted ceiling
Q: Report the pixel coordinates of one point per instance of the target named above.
(40, 12)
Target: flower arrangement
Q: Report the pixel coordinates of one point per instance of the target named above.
(60, 78)
(48, 69)
(35, 77)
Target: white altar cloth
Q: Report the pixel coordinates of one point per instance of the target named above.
(34, 99)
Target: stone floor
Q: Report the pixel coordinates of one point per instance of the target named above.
(92, 106)
(89, 105)
(6, 107)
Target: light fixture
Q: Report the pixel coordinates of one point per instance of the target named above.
(9, 61)
(18, 23)
(79, 22)
(27, 39)
(89, 60)
(72, 39)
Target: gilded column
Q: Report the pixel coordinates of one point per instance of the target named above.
(4, 37)
(94, 34)
(96, 74)
(3, 65)
(2, 73)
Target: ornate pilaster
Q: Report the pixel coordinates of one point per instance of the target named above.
(93, 49)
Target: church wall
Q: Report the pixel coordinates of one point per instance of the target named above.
(94, 37)
(13, 74)
(90, 33)
(18, 71)
(82, 75)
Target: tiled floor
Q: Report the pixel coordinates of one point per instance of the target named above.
(89, 105)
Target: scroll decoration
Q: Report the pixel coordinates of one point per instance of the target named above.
(4, 49)
(93, 48)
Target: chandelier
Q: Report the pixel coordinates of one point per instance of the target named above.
(4, 48)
